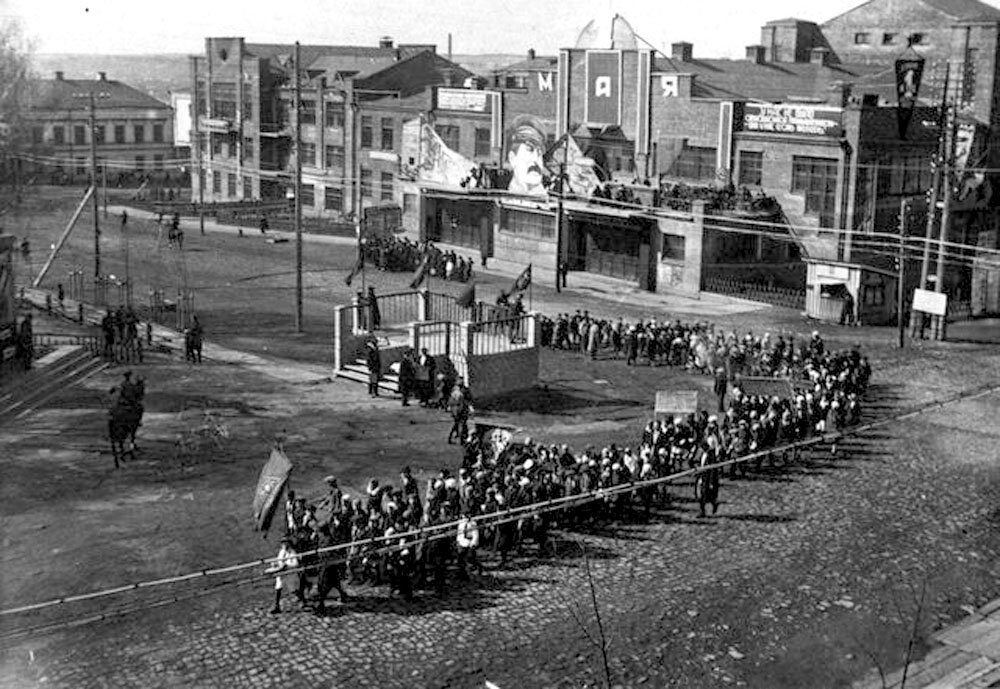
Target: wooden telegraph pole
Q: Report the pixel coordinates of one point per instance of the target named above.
(904, 207)
(93, 183)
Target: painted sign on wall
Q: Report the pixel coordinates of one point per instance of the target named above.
(792, 119)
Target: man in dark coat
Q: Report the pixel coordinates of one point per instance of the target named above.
(407, 376)
(720, 387)
(373, 359)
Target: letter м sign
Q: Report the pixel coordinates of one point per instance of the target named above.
(604, 87)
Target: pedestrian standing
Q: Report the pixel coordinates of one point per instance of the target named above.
(286, 561)
(466, 542)
(373, 360)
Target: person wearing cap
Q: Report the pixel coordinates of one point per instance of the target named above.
(373, 360)
(525, 151)
(333, 500)
(287, 560)
(721, 383)
(466, 542)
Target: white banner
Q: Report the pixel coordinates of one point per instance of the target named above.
(933, 303)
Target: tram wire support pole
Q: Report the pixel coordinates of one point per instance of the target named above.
(904, 207)
(298, 190)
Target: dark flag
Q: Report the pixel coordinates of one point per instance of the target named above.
(468, 296)
(359, 265)
(523, 281)
(269, 487)
(421, 272)
(908, 74)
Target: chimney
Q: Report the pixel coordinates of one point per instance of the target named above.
(820, 56)
(60, 76)
(385, 42)
(103, 76)
(757, 54)
(681, 51)
(531, 53)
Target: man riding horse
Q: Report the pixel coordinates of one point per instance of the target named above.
(125, 415)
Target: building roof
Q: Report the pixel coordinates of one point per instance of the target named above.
(601, 34)
(772, 82)
(348, 66)
(64, 94)
(965, 9)
(540, 63)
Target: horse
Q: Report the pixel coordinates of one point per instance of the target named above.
(124, 420)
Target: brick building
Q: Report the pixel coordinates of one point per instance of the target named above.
(353, 100)
(133, 131)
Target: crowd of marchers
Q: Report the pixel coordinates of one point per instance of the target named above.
(430, 535)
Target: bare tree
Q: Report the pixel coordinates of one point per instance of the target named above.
(15, 95)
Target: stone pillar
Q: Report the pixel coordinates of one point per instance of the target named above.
(338, 336)
(356, 314)
(533, 329)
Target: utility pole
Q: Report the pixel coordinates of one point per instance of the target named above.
(196, 142)
(904, 207)
(936, 181)
(104, 182)
(559, 225)
(946, 188)
(128, 271)
(93, 182)
(298, 194)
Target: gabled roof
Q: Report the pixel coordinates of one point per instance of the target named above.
(354, 57)
(65, 94)
(966, 9)
(414, 74)
(541, 63)
(357, 66)
(773, 82)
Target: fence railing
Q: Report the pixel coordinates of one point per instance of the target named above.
(778, 296)
(958, 310)
(91, 342)
(395, 309)
(444, 307)
(439, 338)
(497, 336)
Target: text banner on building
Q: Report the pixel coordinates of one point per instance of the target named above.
(464, 100)
(792, 119)
(604, 82)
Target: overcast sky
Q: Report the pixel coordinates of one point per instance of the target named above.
(717, 28)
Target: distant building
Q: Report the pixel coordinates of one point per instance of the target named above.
(353, 101)
(133, 131)
(180, 104)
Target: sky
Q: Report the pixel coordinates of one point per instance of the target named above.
(717, 28)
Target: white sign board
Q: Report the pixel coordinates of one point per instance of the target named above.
(676, 402)
(933, 303)
(461, 99)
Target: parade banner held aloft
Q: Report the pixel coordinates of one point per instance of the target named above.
(271, 483)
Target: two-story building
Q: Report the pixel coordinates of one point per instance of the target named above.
(133, 132)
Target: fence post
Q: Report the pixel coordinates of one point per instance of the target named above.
(466, 337)
(338, 335)
(356, 314)
(414, 336)
(424, 305)
(532, 339)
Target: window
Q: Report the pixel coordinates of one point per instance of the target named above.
(516, 82)
(99, 131)
(366, 183)
(335, 115)
(673, 247)
(335, 158)
(751, 164)
(388, 128)
(366, 131)
(224, 100)
(139, 133)
(694, 162)
(308, 153)
(387, 190)
(916, 38)
(333, 199)
(449, 133)
(816, 178)
(158, 161)
(247, 188)
(888, 38)
(119, 133)
(248, 151)
(79, 135)
(59, 134)
(37, 135)
(158, 133)
(483, 143)
(308, 195)
(409, 203)
(216, 182)
(216, 144)
(307, 112)
(80, 169)
(247, 110)
(230, 185)
(529, 224)
(861, 38)
(200, 106)
(140, 163)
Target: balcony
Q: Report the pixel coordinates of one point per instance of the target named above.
(218, 125)
(275, 130)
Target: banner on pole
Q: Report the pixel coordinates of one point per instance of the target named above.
(272, 481)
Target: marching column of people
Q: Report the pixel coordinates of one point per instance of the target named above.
(498, 474)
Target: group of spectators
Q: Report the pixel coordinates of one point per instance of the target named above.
(824, 392)
(397, 254)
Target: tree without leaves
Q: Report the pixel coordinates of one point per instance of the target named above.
(15, 93)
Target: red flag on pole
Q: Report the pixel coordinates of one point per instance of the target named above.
(523, 281)
(272, 481)
(421, 272)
